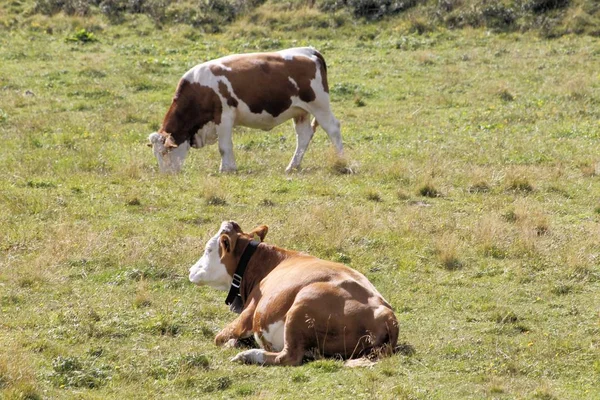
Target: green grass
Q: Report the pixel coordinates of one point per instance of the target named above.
(469, 196)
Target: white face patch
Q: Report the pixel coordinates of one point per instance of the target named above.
(209, 270)
(169, 161)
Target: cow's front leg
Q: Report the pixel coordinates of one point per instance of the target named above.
(239, 328)
(224, 130)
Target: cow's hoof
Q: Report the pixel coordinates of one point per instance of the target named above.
(254, 356)
(227, 169)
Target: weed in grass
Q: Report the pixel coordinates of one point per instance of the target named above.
(428, 190)
(29, 281)
(510, 216)
(134, 201)
(505, 95)
(562, 289)
(245, 390)
(401, 392)
(372, 195)
(216, 201)
(326, 366)
(267, 203)
(359, 102)
(10, 300)
(72, 372)
(543, 394)
(41, 184)
(505, 317)
(479, 187)
(299, 377)
(163, 325)
(217, 384)
(342, 258)
(496, 389)
(205, 331)
(82, 36)
(520, 184)
(194, 360)
(96, 352)
(406, 349)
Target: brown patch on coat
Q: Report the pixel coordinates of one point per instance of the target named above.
(193, 106)
(262, 81)
(231, 101)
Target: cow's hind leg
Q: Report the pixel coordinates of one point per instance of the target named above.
(263, 357)
(294, 339)
(304, 133)
(330, 124)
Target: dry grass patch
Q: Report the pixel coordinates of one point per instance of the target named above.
(426, 58)
(142, 295)
(340, 165)
(402, 195)
(590, 169)
(17, 380)
(577, 88)
(493, 236)
(213, 192)
(447, 250)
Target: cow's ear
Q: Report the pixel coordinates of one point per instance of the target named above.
(170, 143)
(260, 231)
(225, 243)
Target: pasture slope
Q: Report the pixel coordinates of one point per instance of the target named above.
(474, 207)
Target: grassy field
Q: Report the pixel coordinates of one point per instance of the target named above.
(474, 207)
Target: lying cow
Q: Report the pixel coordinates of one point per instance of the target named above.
(293, 303)
(258, 90)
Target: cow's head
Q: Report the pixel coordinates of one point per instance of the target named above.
(221, 255)
(170, 156)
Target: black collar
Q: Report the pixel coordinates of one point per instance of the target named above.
(234, 299)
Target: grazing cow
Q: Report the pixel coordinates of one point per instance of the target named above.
(293, 303)
(258, 90)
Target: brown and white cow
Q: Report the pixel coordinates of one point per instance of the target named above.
(257, 90)
(292, 302)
